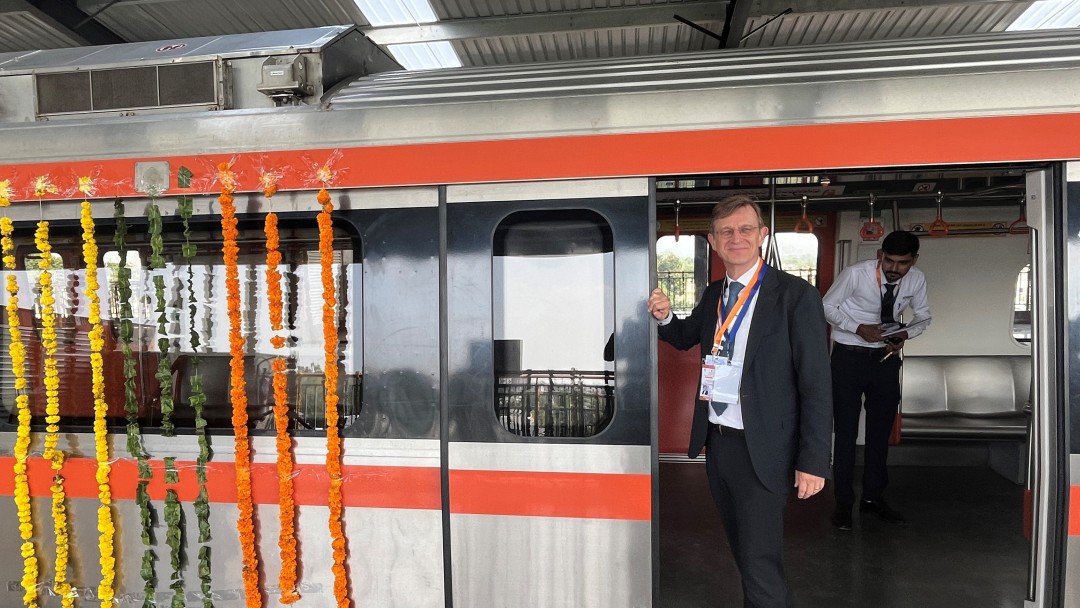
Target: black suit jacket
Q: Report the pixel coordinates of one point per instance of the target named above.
(786, 383)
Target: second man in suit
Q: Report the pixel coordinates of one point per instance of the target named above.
(764, 408)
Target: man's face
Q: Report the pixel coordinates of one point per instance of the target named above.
(894, 267)
(737, 238)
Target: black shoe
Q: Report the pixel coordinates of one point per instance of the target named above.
(879, 507)
(841, 518)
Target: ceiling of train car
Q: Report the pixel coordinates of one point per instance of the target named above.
(845, 190)
(502, 32)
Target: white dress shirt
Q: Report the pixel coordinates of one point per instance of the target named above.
(855, 299)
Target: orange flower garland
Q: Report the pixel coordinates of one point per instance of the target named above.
(238, 392)
(333, 440)
(22, 403)
(106, 529)
(286, 505)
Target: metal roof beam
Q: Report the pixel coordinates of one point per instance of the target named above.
(548, 23)
(72, 19)
(738, 12)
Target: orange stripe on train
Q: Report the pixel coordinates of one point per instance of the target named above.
(485, 492)
(912, 142)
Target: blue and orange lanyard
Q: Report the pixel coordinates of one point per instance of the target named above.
(734, 317)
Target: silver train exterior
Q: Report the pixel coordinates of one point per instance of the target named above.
(448, 502)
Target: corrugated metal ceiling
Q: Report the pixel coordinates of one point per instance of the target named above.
(498, 32)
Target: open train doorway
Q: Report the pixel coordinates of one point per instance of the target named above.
(965, 473)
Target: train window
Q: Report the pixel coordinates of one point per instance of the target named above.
(798, 254)
(682, 270)
(196, 323)
(1021, 327)
(553, 308)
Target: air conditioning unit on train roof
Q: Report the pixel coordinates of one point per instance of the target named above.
(241, 71)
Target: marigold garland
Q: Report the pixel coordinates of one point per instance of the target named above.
(286, 506)
(22, 403)
(238, 391)
(333, 439)
(106, 528)
(51, 452)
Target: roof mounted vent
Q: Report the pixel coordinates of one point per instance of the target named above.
(196, 84)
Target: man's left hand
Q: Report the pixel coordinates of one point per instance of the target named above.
(808, 484)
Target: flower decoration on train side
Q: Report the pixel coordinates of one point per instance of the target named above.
(43, 186)
(5, 192)
(51, 452)
(283, 442)
(22, 436)
(106, 528)
(238, 389)
(330, 347)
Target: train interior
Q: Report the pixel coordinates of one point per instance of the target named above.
(960, 472)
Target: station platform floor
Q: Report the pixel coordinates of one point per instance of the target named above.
(963, 545)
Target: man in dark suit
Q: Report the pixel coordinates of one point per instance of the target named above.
(764, 409)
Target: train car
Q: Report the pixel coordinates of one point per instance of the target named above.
(471, 321)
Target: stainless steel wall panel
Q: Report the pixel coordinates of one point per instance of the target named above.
(531, 562)
(561, 458)
(607, 188)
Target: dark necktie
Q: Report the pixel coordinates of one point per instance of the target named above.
(888, 300)
(734, 289)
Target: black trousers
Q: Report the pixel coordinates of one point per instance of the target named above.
(753, 518)
(855, 374)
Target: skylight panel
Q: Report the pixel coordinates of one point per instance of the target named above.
(425, 55)
(1048, 14)
(397, 12)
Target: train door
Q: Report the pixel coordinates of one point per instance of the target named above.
(548, 390)
(966, 382)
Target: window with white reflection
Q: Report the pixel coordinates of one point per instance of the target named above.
(798, 254)
(553, 323)
(1021, 326)
(682, 270)
(191, 309)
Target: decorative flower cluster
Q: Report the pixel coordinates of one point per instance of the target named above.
(238, 392)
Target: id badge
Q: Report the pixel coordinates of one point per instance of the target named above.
(708, 373)
(726, 379)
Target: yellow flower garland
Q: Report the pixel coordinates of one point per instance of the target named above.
(22, 404)
(106, 529)
(52, 415)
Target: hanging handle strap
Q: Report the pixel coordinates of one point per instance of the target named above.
(872, 229)
(938, 227)
(804, 225)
